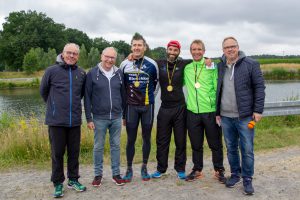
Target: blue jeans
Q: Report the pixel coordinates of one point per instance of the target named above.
(114, 126)
(239, 137)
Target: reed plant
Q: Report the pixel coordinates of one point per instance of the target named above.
(26, 141)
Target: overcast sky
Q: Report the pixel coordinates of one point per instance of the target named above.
(260, 26)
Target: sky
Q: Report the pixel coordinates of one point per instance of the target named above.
(260, 26)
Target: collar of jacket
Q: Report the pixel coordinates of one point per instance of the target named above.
(242, 55)
(199, 63)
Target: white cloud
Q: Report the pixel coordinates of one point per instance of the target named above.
(261, 26)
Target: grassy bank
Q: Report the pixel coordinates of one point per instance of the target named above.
(20, 84)
(25, 142)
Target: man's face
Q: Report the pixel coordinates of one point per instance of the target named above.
(70, 55)
(172, 53)
(138, 48)
(231, 49)
(197, 51)
(108, 58)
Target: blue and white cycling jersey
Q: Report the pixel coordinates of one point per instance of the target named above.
(140, 78)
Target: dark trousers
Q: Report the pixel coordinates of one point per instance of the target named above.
(60, 139)
(197, 125)
(168, 120)
(135, 114)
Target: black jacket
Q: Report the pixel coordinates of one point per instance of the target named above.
(248, 83)
(104, 98)
(62, 88)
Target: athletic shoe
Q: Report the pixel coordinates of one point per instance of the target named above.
(232, 181)
(128, 175)
(248, 188)
(219, 174)
(181, 175)
(97, 181)
(76, 186)
(118, 180)
(58, 190)
(157, 174)
(194, 175)
(144, 174)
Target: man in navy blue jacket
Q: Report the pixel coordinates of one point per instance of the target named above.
(240, 99)
(62, 88)
(104, 104)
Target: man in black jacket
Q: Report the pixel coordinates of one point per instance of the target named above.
(240, 99)
(62, 88)
(104, 102)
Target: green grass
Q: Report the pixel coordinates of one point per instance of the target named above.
(19, 84)
(278, 60)
(24, 142)
(5, 75)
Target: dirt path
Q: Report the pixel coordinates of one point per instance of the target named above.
(277, 176)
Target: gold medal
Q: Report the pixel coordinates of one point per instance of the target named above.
(136, 84)
(170, 88)
(197, 85)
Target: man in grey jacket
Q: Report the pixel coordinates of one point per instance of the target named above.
(104, 103)
(240, 99)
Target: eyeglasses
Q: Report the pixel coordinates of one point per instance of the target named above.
(69, 53)
(109, 57)
(230, 47)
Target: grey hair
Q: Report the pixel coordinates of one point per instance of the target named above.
(230, 38)
(72, 44)
(107, 48)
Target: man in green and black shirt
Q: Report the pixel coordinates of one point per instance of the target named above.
(201, 83)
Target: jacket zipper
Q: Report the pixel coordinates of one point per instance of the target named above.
(70, 77)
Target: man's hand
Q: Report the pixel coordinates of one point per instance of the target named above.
(218, 120)
(208, 62)
(130, 57)
(124, 122)
(257, 117)
(91, 125)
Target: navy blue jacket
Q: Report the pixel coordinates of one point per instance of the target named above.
(62, 88)
(104, 98)
(248, 83)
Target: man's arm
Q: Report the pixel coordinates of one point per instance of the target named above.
(45, 86)
(258, 85)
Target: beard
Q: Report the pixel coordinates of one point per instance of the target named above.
(172, 57)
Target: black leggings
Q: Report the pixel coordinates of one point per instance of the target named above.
(133, 115)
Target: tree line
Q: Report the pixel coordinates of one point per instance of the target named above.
(30, 41)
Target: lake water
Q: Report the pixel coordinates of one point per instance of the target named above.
(28, 101)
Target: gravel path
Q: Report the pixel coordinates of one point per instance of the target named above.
(277, 176)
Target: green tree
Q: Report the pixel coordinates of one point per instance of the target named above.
(83, 57)
(122, 47)
(159, 53)
(48, 59)
(93, 57)
(100, 44)
(31, 62)
(78, 37)
(25, 30)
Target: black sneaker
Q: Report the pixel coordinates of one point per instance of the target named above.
(233, 180)
(97, 181)
(194, 175)
(118, 180)
(248, 188)
(219, 174)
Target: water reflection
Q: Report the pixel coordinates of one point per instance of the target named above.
(28, 101)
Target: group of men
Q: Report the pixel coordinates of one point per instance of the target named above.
(220, 97)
